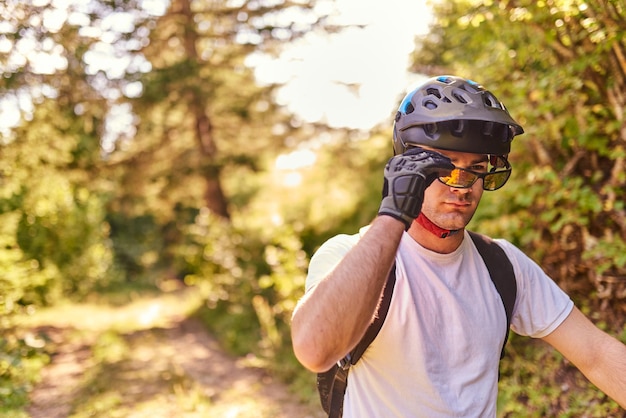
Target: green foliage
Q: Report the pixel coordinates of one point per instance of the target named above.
(340, 193)
(53, 239)
(19, 275)
(72, 240)
(138, 243)
(53, 244)
(55, 218)
(251, 281)
(20, 362)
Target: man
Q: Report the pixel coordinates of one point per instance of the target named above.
(437, 353)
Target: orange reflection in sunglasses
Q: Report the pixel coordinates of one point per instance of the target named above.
(459, 177)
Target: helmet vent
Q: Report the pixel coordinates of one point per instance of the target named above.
(410, 108)
(472, 88)
(434, 91)
(461, 97)
(457, 127)
(488, 128)
(430, 104)
(430, 129)
(491, 101)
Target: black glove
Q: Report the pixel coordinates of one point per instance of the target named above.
(406, 177)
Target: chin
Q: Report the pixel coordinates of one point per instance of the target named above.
(451, 223)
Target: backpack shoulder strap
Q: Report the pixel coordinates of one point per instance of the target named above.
(340, 382)
(501, 273)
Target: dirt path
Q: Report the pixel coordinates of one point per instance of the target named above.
(148, 360)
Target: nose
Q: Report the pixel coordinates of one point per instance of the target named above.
(464, 191)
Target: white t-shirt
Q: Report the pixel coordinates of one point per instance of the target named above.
(437, 353)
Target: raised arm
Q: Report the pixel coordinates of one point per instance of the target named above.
(599, 356)
(332, 317)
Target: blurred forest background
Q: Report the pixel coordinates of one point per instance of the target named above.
(162, 166)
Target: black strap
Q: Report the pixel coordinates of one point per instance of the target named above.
(501, 273)
(341, 377)
(338, 392)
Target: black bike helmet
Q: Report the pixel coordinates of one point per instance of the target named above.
(455, 114)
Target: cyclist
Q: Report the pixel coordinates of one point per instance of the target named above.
(437, 353)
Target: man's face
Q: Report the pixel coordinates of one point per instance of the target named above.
(452, 208)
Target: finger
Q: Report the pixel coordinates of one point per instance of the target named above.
(414, 151)
(441, 168)
(385, 190)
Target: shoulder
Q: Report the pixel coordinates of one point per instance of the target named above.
(517, 257)
(525, 268)
(338, 245)
(329, 254)
(541, 304)
(513, 252)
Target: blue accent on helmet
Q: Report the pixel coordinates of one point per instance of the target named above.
(406, 102)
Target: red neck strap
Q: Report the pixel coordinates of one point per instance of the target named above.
(431, 227)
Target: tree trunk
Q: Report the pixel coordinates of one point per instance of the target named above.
(215, 199)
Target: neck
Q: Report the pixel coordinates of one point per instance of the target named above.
(428, 225)
(433, 237)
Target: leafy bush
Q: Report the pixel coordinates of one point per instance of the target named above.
(64, 233)
(251, 279)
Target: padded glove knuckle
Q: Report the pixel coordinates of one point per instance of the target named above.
(406, 177)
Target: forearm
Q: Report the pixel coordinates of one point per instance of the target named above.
(609, 371)
(599, 356)
(332, 317)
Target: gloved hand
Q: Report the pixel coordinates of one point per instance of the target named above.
(406, 177)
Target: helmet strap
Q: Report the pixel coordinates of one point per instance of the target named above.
(431, 227)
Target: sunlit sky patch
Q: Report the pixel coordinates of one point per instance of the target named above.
(353, 78)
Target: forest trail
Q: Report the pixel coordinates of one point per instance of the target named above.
(148, 359)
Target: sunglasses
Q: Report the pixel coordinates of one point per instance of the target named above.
(463, 178)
